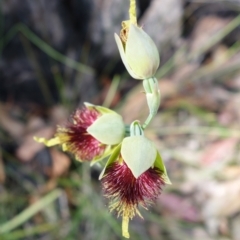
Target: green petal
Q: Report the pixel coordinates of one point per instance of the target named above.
(122, 54)
(138, 153)
(159, 164)
(111, 159)
(141, 53)
(108, 129)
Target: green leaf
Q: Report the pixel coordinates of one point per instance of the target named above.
(160, 164)
(138, 153)
(111, 159)
(108, 129)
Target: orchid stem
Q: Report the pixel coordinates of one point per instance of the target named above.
(148, 120)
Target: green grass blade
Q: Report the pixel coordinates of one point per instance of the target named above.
(30, 211)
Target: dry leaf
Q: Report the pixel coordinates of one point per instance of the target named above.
(59, 115)
(219, 153)
(28, 149)
(230, 114)
(10, 125)
(221, 200)
(230, 172)
(179, 207)
(205, 29)
(60, 163)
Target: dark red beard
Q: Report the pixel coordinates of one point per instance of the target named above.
(126, 192)
(78, 140)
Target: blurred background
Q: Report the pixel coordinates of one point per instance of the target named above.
(54, 55)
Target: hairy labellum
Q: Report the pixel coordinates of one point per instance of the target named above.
(126, 192)
(76, 137)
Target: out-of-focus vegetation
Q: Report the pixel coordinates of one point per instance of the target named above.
(54, 55)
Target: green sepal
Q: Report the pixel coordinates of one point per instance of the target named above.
(138, 153)
(108, 129)
(112, 158)
(100, 109)
(108, 151)
(160, 164)
(123, 57)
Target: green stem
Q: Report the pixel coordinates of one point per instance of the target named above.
(127, 130)
(148, 120)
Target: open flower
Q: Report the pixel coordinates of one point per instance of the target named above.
(138, 51)
(90, 133)
(133, 176)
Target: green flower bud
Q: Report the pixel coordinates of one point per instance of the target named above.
(152, 94)
(136, 129)
(139, 53)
